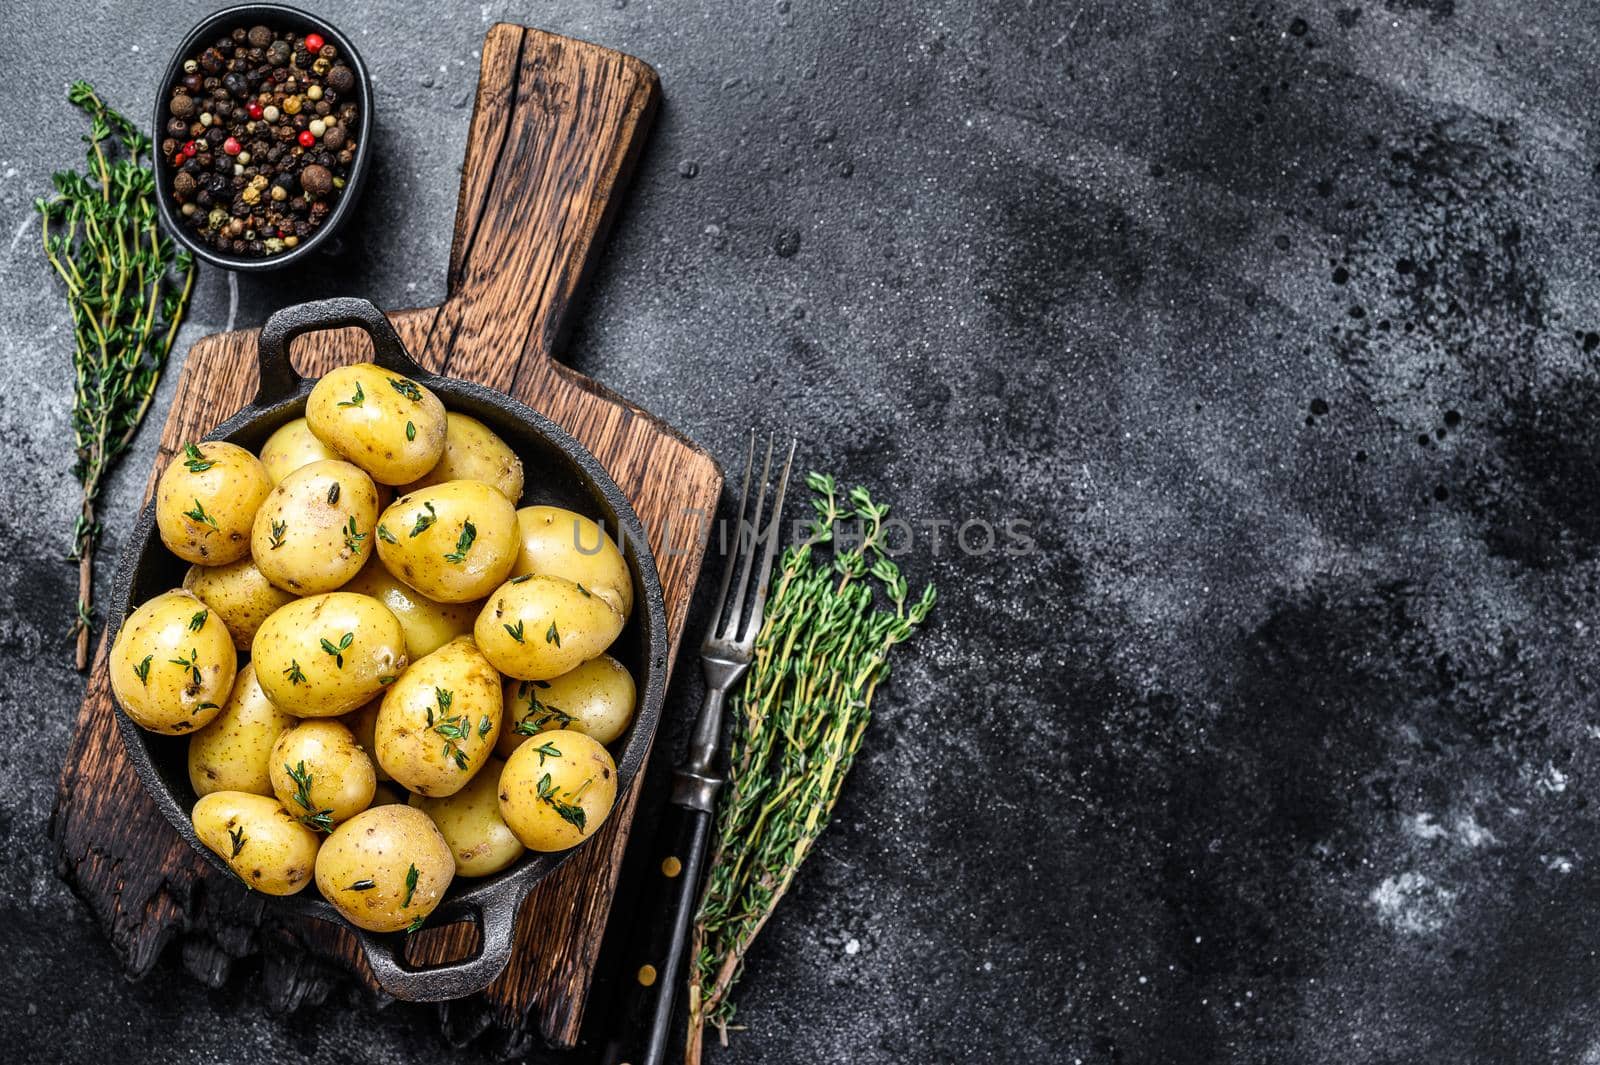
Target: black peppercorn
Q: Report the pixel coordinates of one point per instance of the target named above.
(341, 78)
(260, 36)
(211, 61)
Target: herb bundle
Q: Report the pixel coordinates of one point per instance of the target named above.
(127, 288)
(798, 722)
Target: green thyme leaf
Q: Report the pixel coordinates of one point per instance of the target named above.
(424, 521)
(195, 459)
(333, 493)
(553, 635)
(356, 400)
(294, 673)
(198, 621)
(406, 388)
(278, 529)
(362, 885)
(142, 670)
(515, 631)
(411, 431)
(353, 539)
(411, 887)
(237, 836)
(469, 533)
(385, 535)
(199, 515)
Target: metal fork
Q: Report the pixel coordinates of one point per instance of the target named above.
(654, 961)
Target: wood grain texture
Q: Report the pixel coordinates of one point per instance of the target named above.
(556, 130)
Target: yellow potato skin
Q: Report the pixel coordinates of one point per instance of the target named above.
(559, 770)
(596, 699)
(420, 537)
(537, 628)
(240, 594)
(228, 491)
(472, 452)
(358, 411)
(471, 824)
(341, 777)
(233, 752)
(563, 543)
(428, 625)
(291, 446)
(172, 698)
(381, 845)
(314, 532)
(363, 725)
(275, 853)
(303, 678)
(454, 688)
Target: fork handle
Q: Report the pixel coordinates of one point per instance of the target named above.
(653, 963)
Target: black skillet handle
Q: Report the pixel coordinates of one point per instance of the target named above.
(278, 378)
(496, 917)
(653, 962)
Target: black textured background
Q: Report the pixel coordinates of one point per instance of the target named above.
(1276, 321)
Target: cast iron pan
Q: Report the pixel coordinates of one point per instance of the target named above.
(559, 472)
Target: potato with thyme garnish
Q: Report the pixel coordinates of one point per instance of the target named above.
(291, 446)
(206, 502)
(240, 594)
(557, 542)
(428, 625)
(439, 722)
(327, 654)
(453, 542)
(320, 775)
(383, 422)
(314, 532)
(385, 869)
(172, 664)
(557, 790)
(596, 699)
(472, 452)
(264, 846)
(537, 628)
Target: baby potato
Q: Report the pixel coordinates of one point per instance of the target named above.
(207, 499)
(471, 824)
(293, 445)
(314, 532)
(386, 868)
(233, 752)
(439, 721)
(556, 791)
(453, 542)
(387, 424)
(596, 699)
(325, 655)
(537, 628)
(172, 664)
(320, 775)
(262, 844)
(564, 543)
(239, 594)
(363, 725)
(472, 452)
(428, 625)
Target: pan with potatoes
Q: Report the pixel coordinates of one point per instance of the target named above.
(389, 642)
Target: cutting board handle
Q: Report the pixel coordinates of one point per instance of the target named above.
(557, 126)
(278, 379)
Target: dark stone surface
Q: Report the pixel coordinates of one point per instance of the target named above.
(1277, 321)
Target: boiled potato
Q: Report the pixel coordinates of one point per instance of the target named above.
(470, 822)
(453, 542)
(557, 790)
(363, 725)
(207, 499)
(428, 625)
(233, 752)
(240, 594)
(172, 664)
(325, 655)
(439, 721)
(385, 869)
(320, 775)
(596, 699)
(564, 543)
(314, 532)
(293, 445)
(387, 424)
(537, 628)
(262, 844)
(472, 452)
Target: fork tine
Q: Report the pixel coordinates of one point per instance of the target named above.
(733, 556)
(774, 534)
(736, 610)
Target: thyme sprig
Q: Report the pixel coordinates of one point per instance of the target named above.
(798, 721)
(127, 289)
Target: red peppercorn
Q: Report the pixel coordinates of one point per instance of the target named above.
(307, 139)
(254, 109)
(314, 43)
(188, 148)
(232, 146)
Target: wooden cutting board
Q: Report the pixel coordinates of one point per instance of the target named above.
(556, 131)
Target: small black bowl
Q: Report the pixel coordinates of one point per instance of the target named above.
(278, 17)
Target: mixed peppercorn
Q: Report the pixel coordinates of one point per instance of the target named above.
(261, 133)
